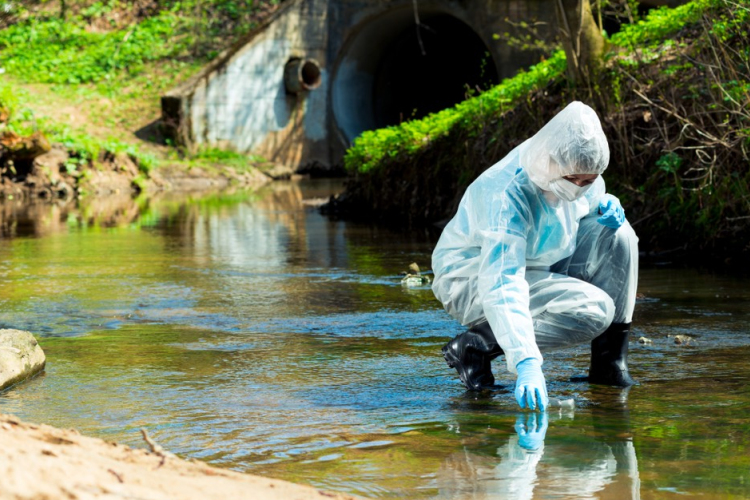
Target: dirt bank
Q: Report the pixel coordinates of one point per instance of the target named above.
(43, 462)
(52, 176)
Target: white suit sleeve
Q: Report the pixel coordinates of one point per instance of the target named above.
(502, 284)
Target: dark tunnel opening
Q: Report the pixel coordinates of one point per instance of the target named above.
(421, 72)
(386, 74)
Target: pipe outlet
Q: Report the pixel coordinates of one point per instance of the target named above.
(301, 74)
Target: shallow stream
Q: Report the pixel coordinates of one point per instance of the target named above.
(249, 331)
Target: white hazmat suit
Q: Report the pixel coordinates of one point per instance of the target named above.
(537, 267)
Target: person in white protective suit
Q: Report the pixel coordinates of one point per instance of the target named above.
(538, 257)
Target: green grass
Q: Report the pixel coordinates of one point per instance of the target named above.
(112, 72)
(56, 51)
(84, 148)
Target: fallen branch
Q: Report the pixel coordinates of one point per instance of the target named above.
(156, 448)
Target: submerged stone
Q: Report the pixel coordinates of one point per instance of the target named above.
(683, 340)
(20, 357)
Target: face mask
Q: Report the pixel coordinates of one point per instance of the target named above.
(566, 190)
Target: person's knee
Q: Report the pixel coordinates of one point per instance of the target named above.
(589, 311)
(599, 314)
(580, 324)
(625, 241)
(596, 314)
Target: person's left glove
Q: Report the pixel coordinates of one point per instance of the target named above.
(531, 388)
(613, 215)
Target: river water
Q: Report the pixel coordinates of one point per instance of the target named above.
(249, 331)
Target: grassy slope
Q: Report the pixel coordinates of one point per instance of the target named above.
(674, 103)
(95, 79)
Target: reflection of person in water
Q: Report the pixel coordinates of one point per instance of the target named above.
(531, 466)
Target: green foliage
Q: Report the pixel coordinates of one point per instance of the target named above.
(218, 155)
(56, 51)
(212, 22)
(84, 149)
(528, 37)
(208, 156)
(669, 163)
(8, 98)
(21, 118)
(659, 24)
(88, 150)
(111, 40)
(146, 161)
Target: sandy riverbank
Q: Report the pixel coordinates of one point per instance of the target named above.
(43, 462)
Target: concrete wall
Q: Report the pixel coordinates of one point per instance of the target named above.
(239, 102)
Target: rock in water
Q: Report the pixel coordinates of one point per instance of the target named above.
(683, 340)
(20, 357)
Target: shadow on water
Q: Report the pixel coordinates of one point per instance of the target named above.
(247, 330)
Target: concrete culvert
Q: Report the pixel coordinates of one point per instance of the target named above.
(301, 74)
(392, 71)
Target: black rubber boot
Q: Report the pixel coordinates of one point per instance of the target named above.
(609, 357)
(471, 353)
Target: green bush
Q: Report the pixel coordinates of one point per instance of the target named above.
(659, 24)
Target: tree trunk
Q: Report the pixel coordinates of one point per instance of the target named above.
(583, 41)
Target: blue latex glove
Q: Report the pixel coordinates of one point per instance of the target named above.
(531, 388)
(612, 213)
(531, 429)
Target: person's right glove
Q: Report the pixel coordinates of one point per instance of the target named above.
(531, 388)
